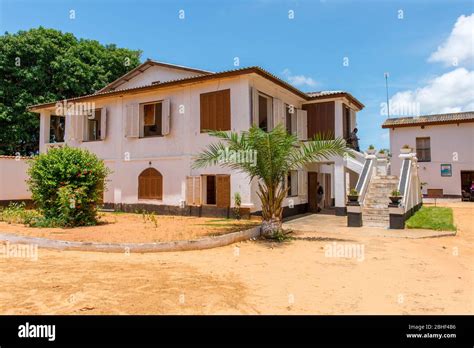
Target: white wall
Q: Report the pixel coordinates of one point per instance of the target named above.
(172, 154)
(13, 178)
(450, 144)
(157, 73)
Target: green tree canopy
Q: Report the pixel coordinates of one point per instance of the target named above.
(43, 65)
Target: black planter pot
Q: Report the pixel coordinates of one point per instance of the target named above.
(352, 198)
(395, 199)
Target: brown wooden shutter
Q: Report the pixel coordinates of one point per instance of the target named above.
(320, 119)
(193, 190)
(215, 110)
(150, 184)
(223, 191)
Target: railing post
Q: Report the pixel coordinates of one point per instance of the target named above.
(354, 214)
(400, 212)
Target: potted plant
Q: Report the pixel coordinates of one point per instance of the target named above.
(382, 154)
(395, 197)
(353, 195)
(371, 150)
(405, 149)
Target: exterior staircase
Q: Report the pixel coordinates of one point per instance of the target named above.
(375, 208)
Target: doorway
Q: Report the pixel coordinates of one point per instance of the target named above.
(211, 189)
(467, 177)
(313, 192)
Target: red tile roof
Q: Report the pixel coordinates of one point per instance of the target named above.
(457, 117)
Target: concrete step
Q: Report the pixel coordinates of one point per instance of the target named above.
(375, 224)
(381, 200)
(387, 177)
(377, 206)
(375, 212)
(375, 217)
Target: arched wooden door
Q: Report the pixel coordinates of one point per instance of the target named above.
(150, 184)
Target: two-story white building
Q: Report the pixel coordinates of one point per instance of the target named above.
(148, 125)
(444, 146)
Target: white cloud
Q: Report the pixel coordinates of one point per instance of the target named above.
(299, 80)
(459, 46)
(450, 92)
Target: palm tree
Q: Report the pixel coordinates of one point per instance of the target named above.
(277, 152)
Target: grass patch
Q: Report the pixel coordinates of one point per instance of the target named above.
(432, 218)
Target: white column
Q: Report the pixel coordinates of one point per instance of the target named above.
(339, 187)
(338, 118)
(45, 117)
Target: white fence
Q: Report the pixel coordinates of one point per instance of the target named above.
(13, 176)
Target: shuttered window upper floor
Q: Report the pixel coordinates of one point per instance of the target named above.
(215, 111)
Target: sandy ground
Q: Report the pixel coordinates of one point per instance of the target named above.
(136, 228)
(395, 276)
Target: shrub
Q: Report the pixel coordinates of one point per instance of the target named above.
(17, 214)
(371, 147)
(396, 193)
(353, 192)
(237, 205)
(67, 185)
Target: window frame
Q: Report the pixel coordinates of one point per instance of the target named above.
(290, 181)
(63, 130)
(424, 149)
(269, 109)
(98, 125)
(293, 119)
(142, 119)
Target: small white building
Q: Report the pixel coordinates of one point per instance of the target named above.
(444, 146)
(148, 125)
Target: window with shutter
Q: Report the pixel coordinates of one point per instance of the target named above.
(93, 125)
(292, 183)
(151, 119)
(423, 149)
(290, 119)
(215, 111)
(150, 184)
(57, 129)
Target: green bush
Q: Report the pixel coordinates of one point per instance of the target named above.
(67, 185)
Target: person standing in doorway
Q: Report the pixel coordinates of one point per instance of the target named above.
(320, 194)
(354, 140)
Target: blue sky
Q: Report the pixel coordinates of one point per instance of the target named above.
(308, 49)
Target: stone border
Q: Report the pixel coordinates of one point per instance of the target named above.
(182, 245)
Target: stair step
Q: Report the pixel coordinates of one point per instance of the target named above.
(375, 212)
(372, 219)
(375, 217)
(375, 224)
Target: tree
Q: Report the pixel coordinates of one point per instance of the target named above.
(277, 153)
(67, 185)
(44, 65)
